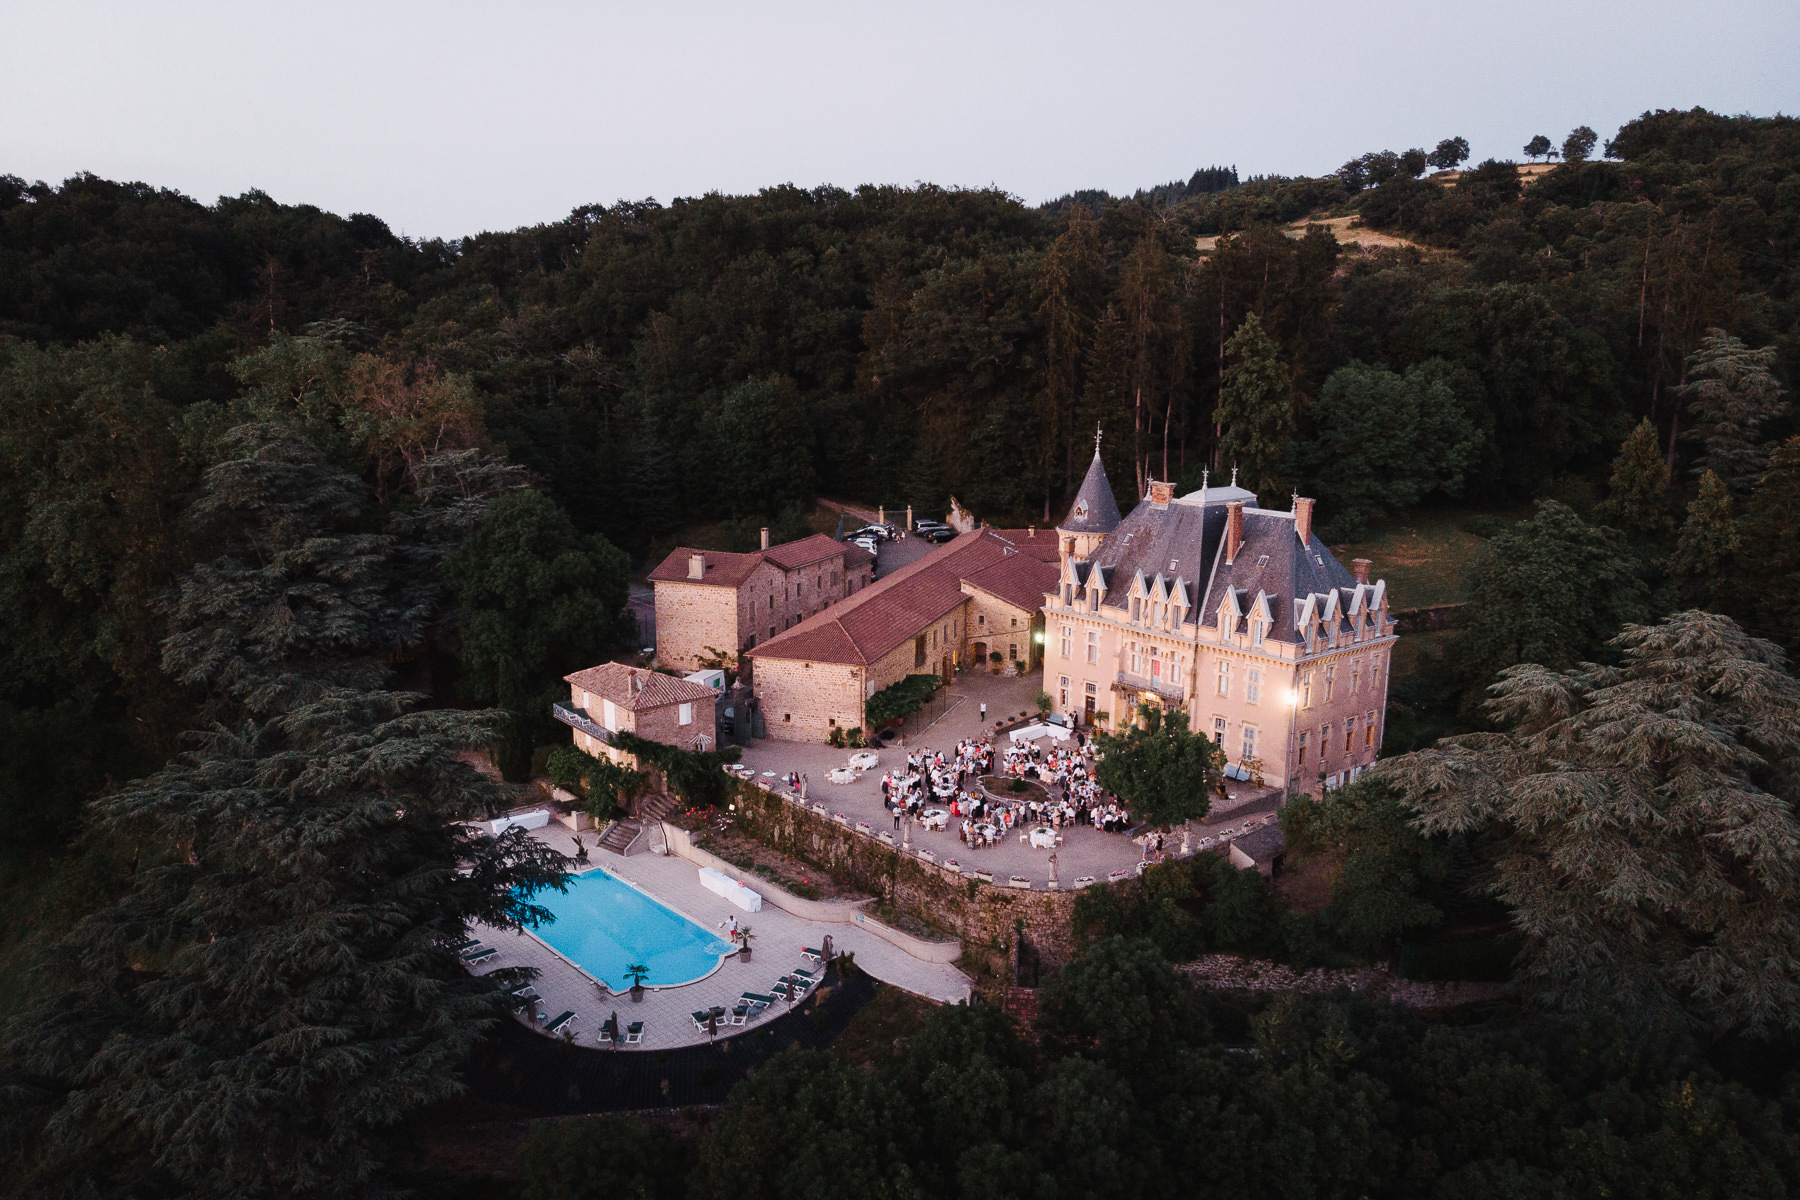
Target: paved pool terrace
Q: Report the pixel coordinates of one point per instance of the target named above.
(775, 951)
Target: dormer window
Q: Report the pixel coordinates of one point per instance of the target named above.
(1257, 630)
(1081, 510)
(1135, 603)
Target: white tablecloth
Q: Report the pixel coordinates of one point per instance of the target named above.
(864, 760)
(1043, 837)
(1036, 730)
(934, 818)
(721, 884)
(527, 820)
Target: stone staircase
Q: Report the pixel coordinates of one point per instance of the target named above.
(619, 835)
(1021, 1004)
(624, 833)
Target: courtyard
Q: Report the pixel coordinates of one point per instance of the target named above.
(1085, 852)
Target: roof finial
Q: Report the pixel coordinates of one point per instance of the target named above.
(1233, 474)
(1096, 439)
(1295, 500)
(1205, 475)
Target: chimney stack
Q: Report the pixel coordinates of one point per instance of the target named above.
(696, 566)
(634, 685)
(1161, 491)
(1303, 507)
(1234, 530)
(765, 537)
(1359, 567)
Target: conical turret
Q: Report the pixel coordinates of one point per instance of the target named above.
(1093, 515)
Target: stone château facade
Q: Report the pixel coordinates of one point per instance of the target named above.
(1237, 614)
(712, 605)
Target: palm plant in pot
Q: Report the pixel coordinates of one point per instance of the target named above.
(638, 972)
(744, 936)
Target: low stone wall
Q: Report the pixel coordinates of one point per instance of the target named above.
(834, 912)
(1432, 619)
(982, 914)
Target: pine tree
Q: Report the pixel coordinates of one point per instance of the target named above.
(1256, 408)
(1707, 547)
(1638, 494)
(1642, 823)
(1069, 287)
(279, 983)
(1771, 528)
(1731, 394)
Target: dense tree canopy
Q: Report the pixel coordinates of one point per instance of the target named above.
(1644, 815)
(1163, 770)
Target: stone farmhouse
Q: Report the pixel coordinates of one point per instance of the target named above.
(712, 605)
(614, 698)
(979, 595)
(1235, 613)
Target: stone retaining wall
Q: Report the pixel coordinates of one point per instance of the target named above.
(833, 912)
(982, 914)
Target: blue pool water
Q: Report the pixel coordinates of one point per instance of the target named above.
(603, 925)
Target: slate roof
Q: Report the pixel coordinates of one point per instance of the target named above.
(1094, 509)
(612, 681)
(724, 568)
(861, 628)
(1182, 542)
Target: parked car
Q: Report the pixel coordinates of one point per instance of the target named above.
(867, 543)
(939, 536)
(880, 532)
(923, 525)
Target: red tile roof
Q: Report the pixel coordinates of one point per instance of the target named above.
(1018, 579)
(722, 568)
(613, 681)
(861, 628)
(1036, 541)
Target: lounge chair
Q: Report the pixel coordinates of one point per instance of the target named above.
(758, 1000)
(526, 992)
(803, 973)
(467, 943)
(469, 953)
(783, 990)
(700, 1019)
(812, 953)
(566, 1021)
(634, 1033)
(740, 1014)
(606, 1034)
(801, 986)
(481, 955)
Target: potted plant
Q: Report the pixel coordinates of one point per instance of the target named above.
(744, 936)
(996, 658)
(638, 972)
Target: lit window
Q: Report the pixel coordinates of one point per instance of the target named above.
(1253, 687)
(686, 715)
(1349, 735)
(1369, 731)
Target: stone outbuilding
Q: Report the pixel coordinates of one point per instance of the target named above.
(614, 698)
(711, 605)
(976, 596)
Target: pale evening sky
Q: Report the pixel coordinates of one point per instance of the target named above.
(450, 118)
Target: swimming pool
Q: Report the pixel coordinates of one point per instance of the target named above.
(604, 924)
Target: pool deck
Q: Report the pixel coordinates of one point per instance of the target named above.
(675, 882)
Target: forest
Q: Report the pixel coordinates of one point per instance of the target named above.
(296, 509)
